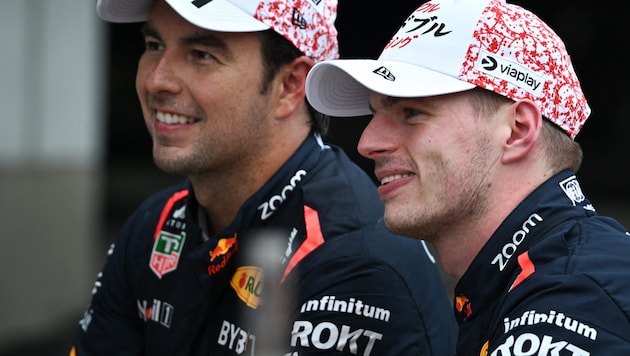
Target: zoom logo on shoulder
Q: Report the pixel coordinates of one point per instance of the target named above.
(511, 71)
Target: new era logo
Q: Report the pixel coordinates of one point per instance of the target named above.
(200, 3)
(385, 73)
(297, 19)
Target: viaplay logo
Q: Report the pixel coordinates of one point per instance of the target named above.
(512, 72)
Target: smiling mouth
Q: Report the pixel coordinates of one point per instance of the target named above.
(171, 119)
(388, 179)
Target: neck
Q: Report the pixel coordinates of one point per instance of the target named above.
(458, 247)
(223, 192)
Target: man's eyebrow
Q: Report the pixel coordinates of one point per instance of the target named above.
(389, 101)
(392, 100)
(148, 31)
(205, 39)
(202, 38)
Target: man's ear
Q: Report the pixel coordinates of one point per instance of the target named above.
(292, 86)
(526, 124)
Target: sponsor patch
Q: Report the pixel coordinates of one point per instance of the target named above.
(572, 189)
(158, 311)
(353, 306)
(269, 207)
(532, 317)
(511, 71)
(463, 306)
(508, 250)
(220, 256)
(235, 338)
(532, 344)
(247, 281)
(330, 336)
(166, 251)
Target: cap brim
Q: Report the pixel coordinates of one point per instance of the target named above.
(217, 15)
(123, 11)
(342, 87)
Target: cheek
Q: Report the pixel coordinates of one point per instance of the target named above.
(140, 81)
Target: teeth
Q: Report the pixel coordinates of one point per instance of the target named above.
(173, 119)
(395, 176)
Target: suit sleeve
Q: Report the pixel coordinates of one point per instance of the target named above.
(111, 325)
(362, 305)
(571, 315)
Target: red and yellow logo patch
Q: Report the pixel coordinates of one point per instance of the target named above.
(247, 281)
(463, 306)
(226, 248)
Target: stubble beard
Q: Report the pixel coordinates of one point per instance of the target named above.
(460, 198)
(181, 165)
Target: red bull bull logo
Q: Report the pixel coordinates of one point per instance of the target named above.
(226, 247)
(463, 306)
(223, 246)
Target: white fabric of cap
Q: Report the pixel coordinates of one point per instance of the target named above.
(215, 15)
(409, 66)
(123, 11)
(342, 87)
(446, 46)
(308, 24)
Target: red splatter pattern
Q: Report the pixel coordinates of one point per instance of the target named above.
(309, 27)
(512, 33)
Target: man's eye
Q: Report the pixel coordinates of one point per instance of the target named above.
(153, 46)
(203, 55)
(409, 113)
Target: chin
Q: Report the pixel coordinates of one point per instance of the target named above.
(170, 166)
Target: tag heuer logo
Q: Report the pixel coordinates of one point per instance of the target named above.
(572, 189)
(166, 251)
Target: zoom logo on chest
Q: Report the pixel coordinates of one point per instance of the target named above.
(269, 207)
(508, 250)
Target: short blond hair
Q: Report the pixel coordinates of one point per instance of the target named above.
(561, 152)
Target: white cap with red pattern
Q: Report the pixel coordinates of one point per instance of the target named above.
(448, 46)
(308, 24)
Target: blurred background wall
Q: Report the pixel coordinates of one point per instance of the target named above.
(52, 135)
(75, 157)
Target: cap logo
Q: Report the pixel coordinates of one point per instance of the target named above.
(420, 23)
(200, 3)
(449, 46)
(385, 73)
(511, 71)
(297, 19)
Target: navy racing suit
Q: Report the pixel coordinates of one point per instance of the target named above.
(554, 279)
(338, 283)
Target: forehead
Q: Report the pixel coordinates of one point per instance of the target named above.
(436, 101)
(165, 23)
(162, 13)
